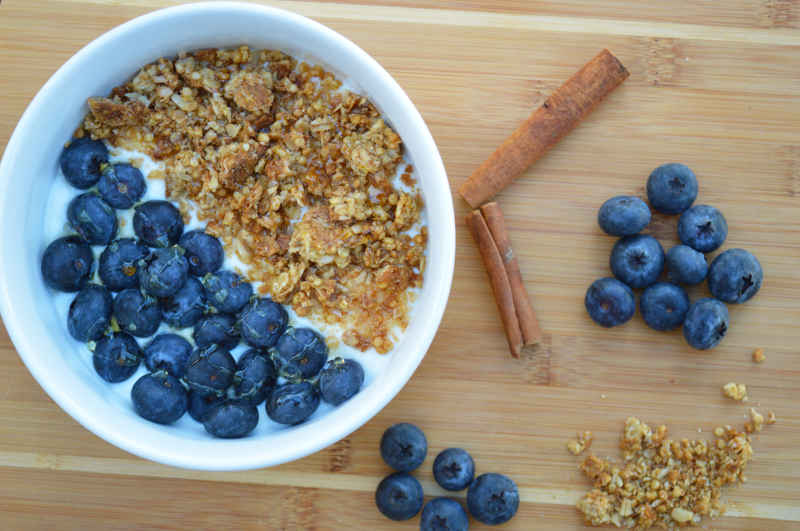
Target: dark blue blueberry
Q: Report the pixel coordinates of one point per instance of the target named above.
(703, 228)
(136, 313)
(121, 185)
(293, 403)
(340, 380)
(672, 188)
(443, 514)
(157, 223)
(216, 328)
(300, 354)
(168, 352)
(685, 265)
(637, 260)
(93, 218)
(664, 305)
(160, 397)
(186, 306)
(706, 323)
(204, 252)
(90, 313)
(453, 469)
(116, 356)
(227, 292)
(399, 496)
(233, 418)
(735, 276)
(118, 264)
(262, 323)
(404, 447)
(210, 371)
(199, 404)
(609, 302)
(67, 264)
(163, 271)
(492, 499)
(255, 376)
(81, 160)
(623, 216)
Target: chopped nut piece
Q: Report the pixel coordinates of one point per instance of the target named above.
(770, 419)
(758, 355)
(584, 441)
(758, 419)
(737, 392)
(681, 515)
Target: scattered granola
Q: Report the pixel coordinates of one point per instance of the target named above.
(758, 355)
(583, 442)
(737, 392)
(758, 420)
(770, 418)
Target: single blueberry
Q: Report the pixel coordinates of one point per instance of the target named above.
(186, 306)
(136, 313)
(492, 499)
(703, 228)
(81, 160)
(67, 264)
(685, 265)
(664, 306)
(255, 376)
(216, 328)
(203, 251)
(403, 447)
(706, 323)
(157, 223)
(453, 469)
(293, 403)
(227, 292)
(340, 380)
(199, 404)
(118, 264)
(210, 371)
(160, 397)
(443, 514)
(609, 302)
(163, 271)
(623, 216)
(116, 356)
(637, 260)
(168, 352)
(735, 276)
(300, 354)
(262, 323)
(230, 419)
(93, 218)
(672, 188)
(399, 496)
(90, 313)
(121, 185)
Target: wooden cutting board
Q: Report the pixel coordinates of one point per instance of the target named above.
(713, 85)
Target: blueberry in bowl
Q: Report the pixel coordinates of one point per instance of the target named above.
(399, 496)
(685, 265)
(443, 514)
(67, 264)
(200, 404)
(255, 377)
(163, 271)
(300, 354)
(93, 218)
(703, 228)
(340, 380)
(90, 313)
(216, 328)
(136, 313)
(118, 264)
(116, 356)
(203, 252)
(157, 223)
(609, 302)
(159, 397)
(262, 323)
(292, 404)
(623, 216)
(227, 292)
(637, 260)
(81, 161)
(735, 276)
(231, 419)
(403, 447)
(664, 306)
(167, 352)
(210, 370)
(121, 185)
(186, 306)
(453, 469)
(672, 188)
(706, 323)
(492, 499)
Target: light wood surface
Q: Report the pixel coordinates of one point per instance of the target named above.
(713, 85)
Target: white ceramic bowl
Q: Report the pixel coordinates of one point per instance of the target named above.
(28, 170)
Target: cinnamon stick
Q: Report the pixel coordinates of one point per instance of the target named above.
(560, 114)
(531, 334)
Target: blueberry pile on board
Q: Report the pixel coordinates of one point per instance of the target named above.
(166, 274)
(637, 261)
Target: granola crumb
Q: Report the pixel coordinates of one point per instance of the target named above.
(758, 419)
(770, 418)
(583, 442)
(758, 355)
(737, 392)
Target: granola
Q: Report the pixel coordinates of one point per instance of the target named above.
(583, 442)
(737, 392)
(758, 355)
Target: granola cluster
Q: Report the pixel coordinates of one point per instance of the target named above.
(293, 173)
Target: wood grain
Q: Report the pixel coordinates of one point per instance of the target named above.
(713, 85)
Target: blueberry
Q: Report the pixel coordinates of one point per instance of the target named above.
(67, 264)
(204, 252)
(685, 265)
(216, 328)
(118, 264)
(159, 397)
(93, 218)
(210, 371)
(163, 271)
(672, 188)
(735, 276)
(399, 496)
(136, 313)
(293, 403)
(664, 305)
(403, 447)
(609, 302)
(492, 499)
(637, 260)
(81, 160)
(705, 323)
(199, 404)
(623, 216)
(262, 323)
(121, 185)
(157, 223)
(116, 356)
(703, 228)
(230, 419)
(255, 376)
(340, 380)
(90, 313)
(227, 292)
(168, 352)
(453, 469)
(300, 354)
(186, 306)
(443, 514)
